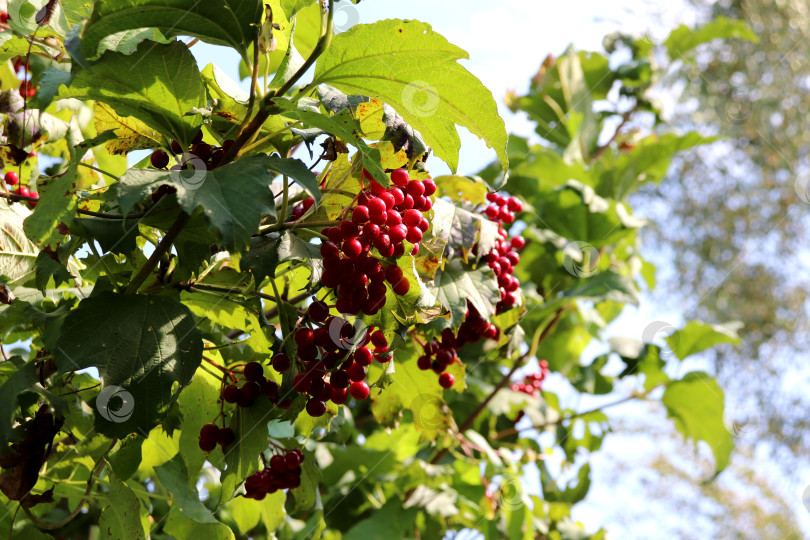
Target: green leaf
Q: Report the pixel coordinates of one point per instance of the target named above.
(306, 494)
(457, 284)
(249, 425)
(21, 379)
(229, 22)
(683, 39)
(48, 268)
(127, 41)
(17, 253)
(390, 521)
(199, 404)
(143, 344)
(291, 7)
(179, 526)
(121, 519)
(648, 162)
(127, 457)
(577, 213)
(462, 229)
(115, 236)
(412, 68)
(229, 312)
(55, 210)
(159, 84)
(695, 404)
(698, 336)
(607, 285)
(131, 133)
(233, 197)
(175, 478)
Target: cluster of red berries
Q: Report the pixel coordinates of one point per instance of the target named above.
(254, 386)
(439, 354)
(329, 371)
(199, 152)
(532, 384)
(382, 219)
(211, 436)
(504, 256)
(282, 472)
(13, 179)
(300, 209)
(26, 89)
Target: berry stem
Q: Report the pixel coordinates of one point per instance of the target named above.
(560, 420)
(162, 248)
(465, 425)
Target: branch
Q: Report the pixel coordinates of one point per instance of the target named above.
(22, 198)
(162, 248)
(498, 387)
(560, 420)
(269, 314)
(625, 118)
(90, 481)
(255, 125)
(296, 225)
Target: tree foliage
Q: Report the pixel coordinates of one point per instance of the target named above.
(139, 297)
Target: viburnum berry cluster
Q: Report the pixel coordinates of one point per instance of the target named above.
(200, 156)
(211, 435)
(255, 385)
(504, 256)
(439, 354)
(381, 221)
(532, 384)
(328, 369)
(12, 179)
(283, 471)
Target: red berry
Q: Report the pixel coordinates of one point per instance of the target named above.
(415, 188)
(412, 218)
(339, 379)
(356, 372)
(414, 235)
(359, 390)
(388, 199)
(402, 287)
(4, 18)
(316, 407)
(340, 395)
(505, 215)
(318, 311)
(281, 362)
(378, 339)
(175, 147)
(492, 197)
(514, 204)
(393, 274)
(363, 356)
(24, 191)
(251, 391)
(376, 207)
(225, 436)
(423, 362)
(352, 248)
(400, 177)
(492, 212)
(304, 336)
(397, 233)
(253, 371)
(430, 187)
(518, 242)
(398, 194)
(231, 393)
(446, 380)
(12, 178)
(377, 188)
(360, 214)
(159, 159)
(330, 250)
